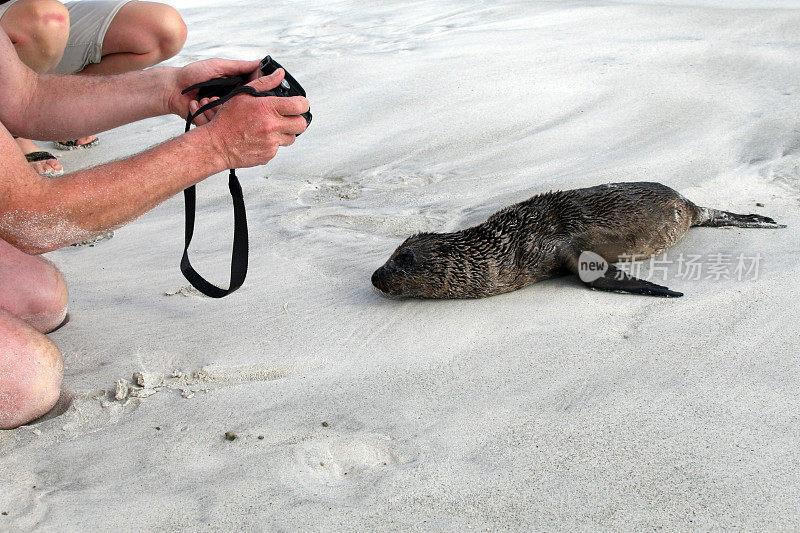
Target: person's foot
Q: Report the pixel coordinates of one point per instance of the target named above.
(46, 167)
(83, 142)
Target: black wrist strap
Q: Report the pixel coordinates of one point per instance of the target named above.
(240, 244)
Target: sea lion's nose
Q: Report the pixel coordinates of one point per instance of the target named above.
(378, 278)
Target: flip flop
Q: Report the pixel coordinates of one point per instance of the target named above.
(44, 156)
(73, 145)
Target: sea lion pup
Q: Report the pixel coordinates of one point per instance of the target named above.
(544, 237)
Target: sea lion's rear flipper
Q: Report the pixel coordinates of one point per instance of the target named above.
(615, 280)
(714, 218)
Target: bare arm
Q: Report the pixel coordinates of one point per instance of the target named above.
(39, 214)
(66, 107)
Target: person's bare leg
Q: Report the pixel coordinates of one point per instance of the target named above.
(30, 372)
(32, 289)
(141, 35)
(39, 30)
(33, 301)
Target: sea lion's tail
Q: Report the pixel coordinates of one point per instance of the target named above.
(714, 218)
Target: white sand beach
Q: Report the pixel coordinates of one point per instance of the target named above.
(550, 408)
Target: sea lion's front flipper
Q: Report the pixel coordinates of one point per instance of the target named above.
(615, 280)
(600, 275)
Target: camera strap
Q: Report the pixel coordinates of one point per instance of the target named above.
(240, 241)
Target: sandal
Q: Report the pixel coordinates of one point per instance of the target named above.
(44, 156)
(73, 145)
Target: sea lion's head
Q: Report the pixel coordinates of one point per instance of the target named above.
(430, 265)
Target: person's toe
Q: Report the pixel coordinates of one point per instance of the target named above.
(84, 142)
(48, 165)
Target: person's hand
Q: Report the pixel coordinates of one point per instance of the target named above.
(181, 78)
(247, 130)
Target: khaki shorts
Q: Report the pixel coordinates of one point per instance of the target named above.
(89, 22)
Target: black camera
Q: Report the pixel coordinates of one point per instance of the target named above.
(221, 87)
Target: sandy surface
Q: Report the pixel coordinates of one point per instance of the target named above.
(553, 407)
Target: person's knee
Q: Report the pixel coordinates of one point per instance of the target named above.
(51, 20)
(171, 32)
(30, 381)
(47, 308)
(42, 26)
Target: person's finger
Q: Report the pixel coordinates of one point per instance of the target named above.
(265, 83)
(231, 67)
(206, 116)
(295, 105)
(213, 111)
(201, 119)
(286, 140)
(210, 114)
(294, 125)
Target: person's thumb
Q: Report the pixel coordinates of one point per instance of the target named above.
(266, 83)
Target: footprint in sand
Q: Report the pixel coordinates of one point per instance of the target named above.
(329, 206)
(784, 170)
(787, 170)
(393, 179)
(401, 225)
(335, 190)
(333, 459)
(329, 190)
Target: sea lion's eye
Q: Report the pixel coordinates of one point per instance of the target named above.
(404, 259)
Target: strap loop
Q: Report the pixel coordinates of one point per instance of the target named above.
(240, 239)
